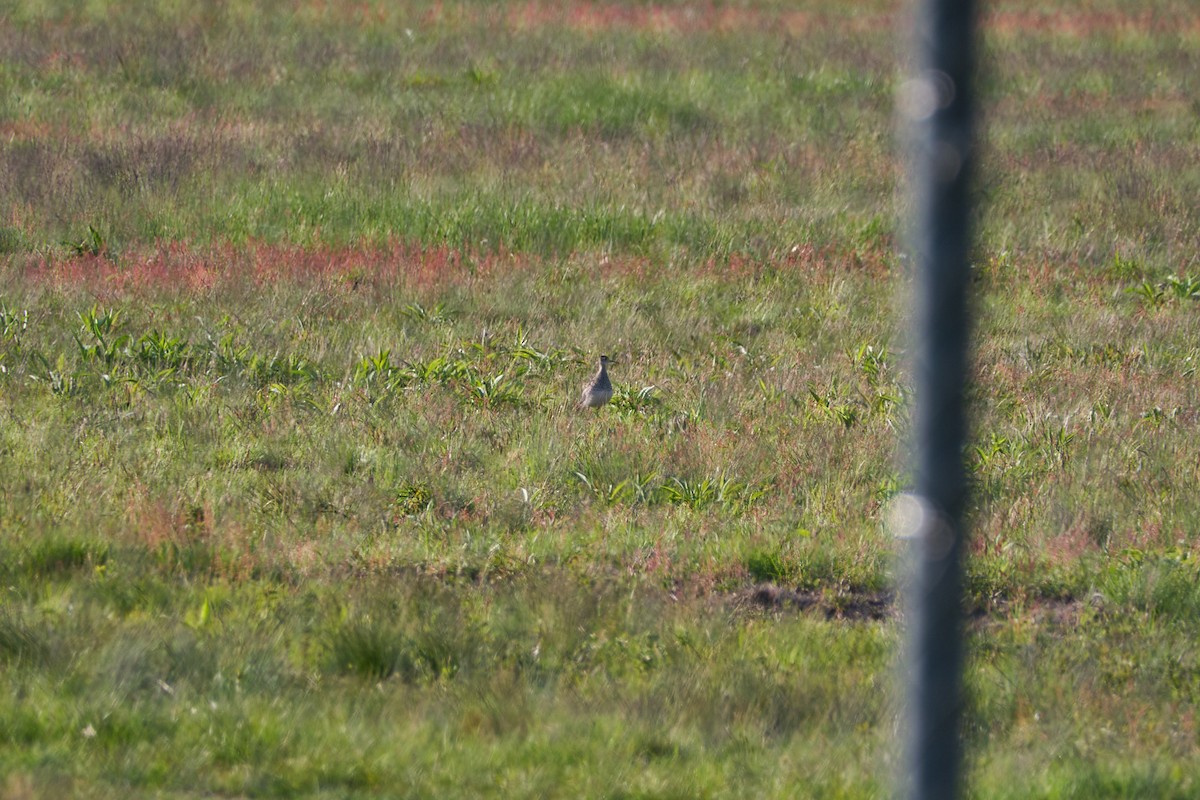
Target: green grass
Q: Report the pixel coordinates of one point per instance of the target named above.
(294, 307)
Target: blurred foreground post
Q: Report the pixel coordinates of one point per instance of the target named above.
(937, 104)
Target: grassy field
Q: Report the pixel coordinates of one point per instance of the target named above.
(295, 300)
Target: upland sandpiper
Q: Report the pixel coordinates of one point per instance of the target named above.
(598, 390)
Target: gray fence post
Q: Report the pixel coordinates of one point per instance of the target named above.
(938, 105)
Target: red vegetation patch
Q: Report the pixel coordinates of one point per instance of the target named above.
(688, 19)
(180, 266)
(707, 17)
(696, 18)
(1082, 24)
(682, 19)
(28, 130)
(183, 267)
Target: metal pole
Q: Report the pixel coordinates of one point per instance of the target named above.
(938, 103)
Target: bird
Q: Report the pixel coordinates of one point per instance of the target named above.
(598, 390)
